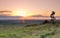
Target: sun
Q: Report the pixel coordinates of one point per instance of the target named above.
(20, 13)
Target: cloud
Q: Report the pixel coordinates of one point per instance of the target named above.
(5, 11)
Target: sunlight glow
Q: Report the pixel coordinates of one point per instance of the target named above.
(22, 13)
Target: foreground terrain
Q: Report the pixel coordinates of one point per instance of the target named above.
(30, 31)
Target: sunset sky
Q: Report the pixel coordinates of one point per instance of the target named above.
(31, 7)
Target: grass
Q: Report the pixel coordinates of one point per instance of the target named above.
(32, 31)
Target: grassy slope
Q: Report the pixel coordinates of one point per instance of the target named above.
(37, 31)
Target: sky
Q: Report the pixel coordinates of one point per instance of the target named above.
(33, 7)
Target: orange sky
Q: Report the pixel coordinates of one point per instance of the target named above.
(32, 7)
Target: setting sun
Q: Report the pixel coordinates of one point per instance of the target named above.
(20, 13)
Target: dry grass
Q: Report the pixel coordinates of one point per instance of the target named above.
(33, 31)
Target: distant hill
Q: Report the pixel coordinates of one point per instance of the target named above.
(42, 16)
(37, 16)
(3, 17)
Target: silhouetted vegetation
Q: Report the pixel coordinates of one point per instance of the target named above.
(53, 18)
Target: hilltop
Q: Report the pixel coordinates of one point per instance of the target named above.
(32, 31)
